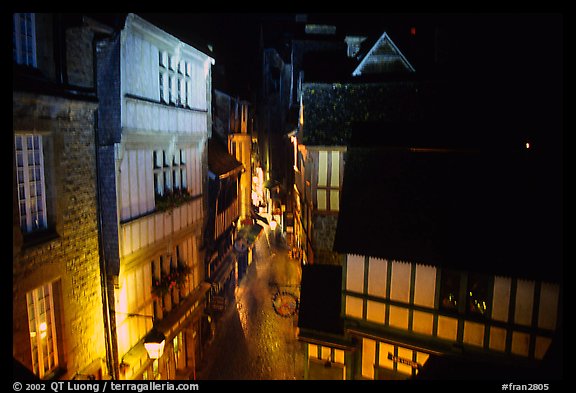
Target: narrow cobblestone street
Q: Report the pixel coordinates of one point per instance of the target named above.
(255, 340)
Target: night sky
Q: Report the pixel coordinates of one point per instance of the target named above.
(510, 65)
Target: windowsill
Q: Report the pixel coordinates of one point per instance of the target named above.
(170, 104)
(55, 374)
(37, 238)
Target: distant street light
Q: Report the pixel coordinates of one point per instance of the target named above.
(273, 224)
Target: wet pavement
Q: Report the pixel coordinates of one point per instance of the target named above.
(256, 335)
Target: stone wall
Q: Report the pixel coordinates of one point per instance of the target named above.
(323, 239)
(68, 254)
(80, 57)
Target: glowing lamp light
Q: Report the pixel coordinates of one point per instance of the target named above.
(43, 328)
(154, 344)
(527, 145)
(273, 224)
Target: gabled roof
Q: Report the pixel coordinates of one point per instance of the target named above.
(383, 57)
(220, 162)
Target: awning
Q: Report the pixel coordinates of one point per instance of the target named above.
(250, 233)
(257, 216)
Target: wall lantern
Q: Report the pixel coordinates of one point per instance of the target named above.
(154, 343)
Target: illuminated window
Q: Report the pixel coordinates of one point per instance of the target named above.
(449, 290)
(169, 172)
(30, 179)
(162, 86)
(334, 200)
(328, 194)
(321, 199)
(322, 168)
(42, 327)
(477, 295)
(24, 39)
(172, 88)
(181, 91)
(175, 77)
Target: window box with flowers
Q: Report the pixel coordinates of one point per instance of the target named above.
(172, 199)
(176, 278)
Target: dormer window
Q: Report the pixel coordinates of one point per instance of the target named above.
(354, 44)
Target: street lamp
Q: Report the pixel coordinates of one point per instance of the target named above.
(273, 224)
(154, 343)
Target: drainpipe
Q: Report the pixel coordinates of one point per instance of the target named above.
(104, 282)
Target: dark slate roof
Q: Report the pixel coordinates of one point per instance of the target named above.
(497, 212)
(320, 299)
(220, 162)
(328, 65)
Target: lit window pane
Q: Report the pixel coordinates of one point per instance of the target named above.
(322, 168)
(30, 179)
(334, 200)
(41, 328)
(321, 195)
(335, 172)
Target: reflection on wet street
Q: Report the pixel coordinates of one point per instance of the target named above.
(253, 340)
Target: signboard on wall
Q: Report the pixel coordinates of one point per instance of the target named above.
(408, 362)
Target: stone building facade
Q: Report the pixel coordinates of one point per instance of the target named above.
(58, 327)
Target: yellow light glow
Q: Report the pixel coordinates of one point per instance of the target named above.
(527, 145)
(43, 327)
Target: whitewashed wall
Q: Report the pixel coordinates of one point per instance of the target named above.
(149, 117)
(136, 194)
(136, 178)
(146, 230)
(133, 296)
(140, 67)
